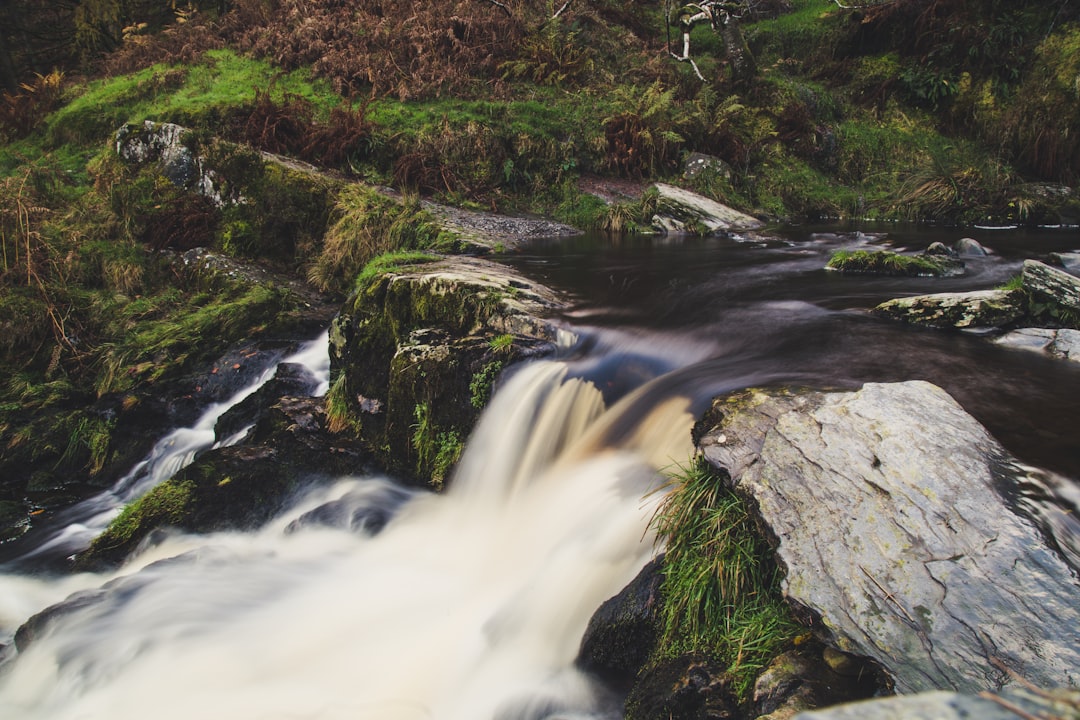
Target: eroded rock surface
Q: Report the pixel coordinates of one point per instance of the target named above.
(685, 207)
(886, 509)
(953, 706)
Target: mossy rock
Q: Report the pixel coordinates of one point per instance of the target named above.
(410, 349)
(235, 487)
(884, 262)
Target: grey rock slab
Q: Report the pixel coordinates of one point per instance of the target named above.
(713, 215)
(1060, 343)
(1051, 283)
(885, 510)
(949, 706)
(978, 309)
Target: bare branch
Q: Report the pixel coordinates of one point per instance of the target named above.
(560, 12)
(505, 9)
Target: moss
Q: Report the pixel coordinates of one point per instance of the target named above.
(482, 382)
(721, 587)
(165, 505)
(168, 337)
(437, 449)
(883, 262)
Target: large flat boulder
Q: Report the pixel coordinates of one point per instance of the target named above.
(681, 207)
(978, 309)
(887, 512)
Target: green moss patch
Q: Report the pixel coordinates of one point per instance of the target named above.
(884, 262)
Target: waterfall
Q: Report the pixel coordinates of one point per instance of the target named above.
(464, 605)
(80, 524)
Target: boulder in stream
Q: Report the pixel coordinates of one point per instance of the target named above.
(977, 309)
(680, 208)
(886, 507)
(1061, 343)
(415, 352)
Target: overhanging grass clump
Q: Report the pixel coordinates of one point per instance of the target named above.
(884, 262)
(369, 224)
(721, 587)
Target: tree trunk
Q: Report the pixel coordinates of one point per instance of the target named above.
(743, 66)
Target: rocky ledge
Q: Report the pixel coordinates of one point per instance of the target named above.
(913, 545)
(1045, 297)
(888, 513)
(415, 352)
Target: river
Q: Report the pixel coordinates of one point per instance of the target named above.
(472, 603)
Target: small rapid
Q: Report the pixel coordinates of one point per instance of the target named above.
(74, 528)
(461, 605)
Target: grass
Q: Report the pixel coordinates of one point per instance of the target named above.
(338, 415)
(884, 262)
(721, 588)
(369, 224)
(199, 95)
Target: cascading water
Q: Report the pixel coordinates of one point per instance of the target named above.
(467, 605)
(369, 600)
(75, 527)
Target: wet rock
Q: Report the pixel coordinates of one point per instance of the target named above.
(683, 207)
(969, 247)
(39, 624)
(623, 632)
(938, 248)
(1048, 284)
(1059, 343)
(806, 678)
(886, 509)
(686, 687)
(1070, 261)
(290, 379)
(237, 487)
(954, 706)
(418, 342)
(366, 509)
(978, 309)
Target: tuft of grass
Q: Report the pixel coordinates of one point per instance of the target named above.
(339, 417)
(501, 343)
(368, 225)
(721, 587)
(884, 262)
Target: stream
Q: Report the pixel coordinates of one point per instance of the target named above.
(402, 603)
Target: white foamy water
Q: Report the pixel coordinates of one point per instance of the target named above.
(466, 605)
(170, 454)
